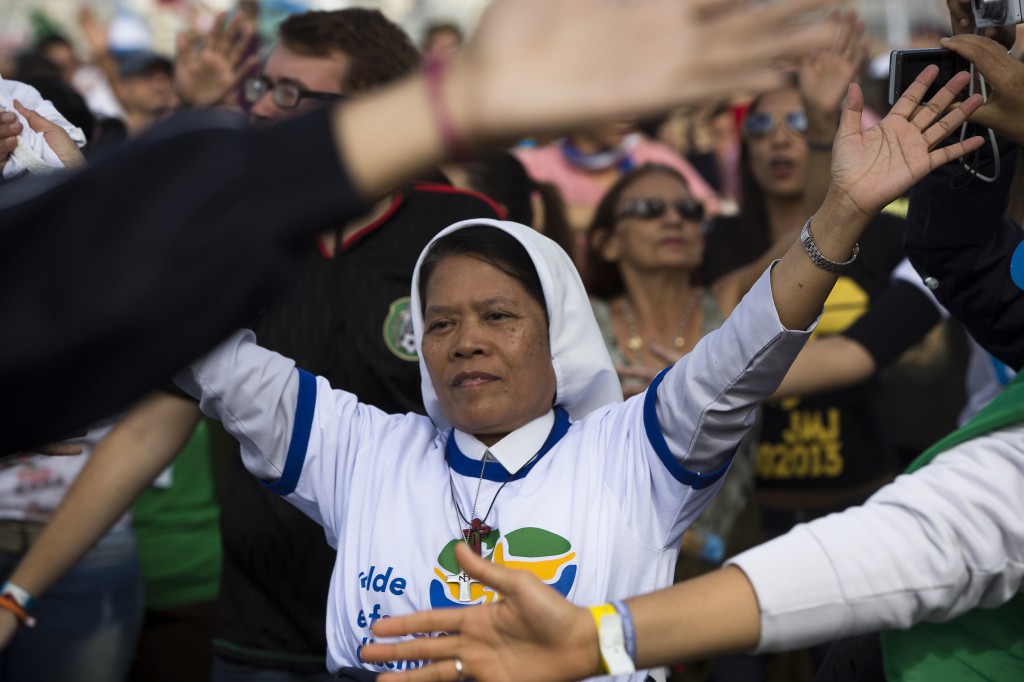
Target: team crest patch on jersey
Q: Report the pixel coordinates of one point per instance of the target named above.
(398, 334)
(548, 556)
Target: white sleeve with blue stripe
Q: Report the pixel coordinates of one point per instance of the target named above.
(698, 410)
(254, 393)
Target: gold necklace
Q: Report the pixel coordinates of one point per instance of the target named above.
(635, 342)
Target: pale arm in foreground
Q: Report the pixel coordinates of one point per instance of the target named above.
(928, 547)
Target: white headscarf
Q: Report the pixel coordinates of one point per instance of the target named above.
(585, 374)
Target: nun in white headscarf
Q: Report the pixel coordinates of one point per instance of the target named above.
(529, 454)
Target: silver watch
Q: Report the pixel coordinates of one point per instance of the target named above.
(814, 253)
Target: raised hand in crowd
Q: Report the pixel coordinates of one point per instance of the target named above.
(824, 76)
(1004, 110)
(208, 66)
(872, 167)
(95, 33)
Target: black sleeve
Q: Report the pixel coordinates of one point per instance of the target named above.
(959, 236)
(706, 163)
(897, 320)
(113, 278)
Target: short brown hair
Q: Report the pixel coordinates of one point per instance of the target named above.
(380, 50)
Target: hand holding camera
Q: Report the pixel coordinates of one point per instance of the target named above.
(1004, 110)
(995, 13)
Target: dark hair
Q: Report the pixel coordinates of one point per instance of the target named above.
(502, 177)
(51, 39)
(601, 278)
(490, 245)
(439, 27)
(753, 236)
(380, 50)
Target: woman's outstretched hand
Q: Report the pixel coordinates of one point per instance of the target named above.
(533, 633)
(873, 167)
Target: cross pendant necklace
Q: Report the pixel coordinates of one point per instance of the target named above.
(472, 536)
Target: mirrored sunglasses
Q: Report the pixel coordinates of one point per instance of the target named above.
(763, 124)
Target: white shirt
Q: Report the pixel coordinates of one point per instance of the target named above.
(928, 547)
(598, 513)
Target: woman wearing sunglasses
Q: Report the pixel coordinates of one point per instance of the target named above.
(645, 249)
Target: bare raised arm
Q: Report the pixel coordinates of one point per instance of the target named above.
(870, 168)
(580, 61)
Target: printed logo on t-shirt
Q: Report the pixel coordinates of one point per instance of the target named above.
(544, 554)
(847, 302)
(398, 334)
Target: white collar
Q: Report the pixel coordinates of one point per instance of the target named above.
(516, 449)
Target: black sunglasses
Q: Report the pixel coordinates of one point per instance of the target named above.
(647, 208)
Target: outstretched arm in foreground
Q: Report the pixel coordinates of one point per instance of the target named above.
(215, 198)
(535, 634)
(928, 547)
(579, 60)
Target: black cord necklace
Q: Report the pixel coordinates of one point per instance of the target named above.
(478, 528)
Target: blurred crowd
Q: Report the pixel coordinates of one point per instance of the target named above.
(174, 563)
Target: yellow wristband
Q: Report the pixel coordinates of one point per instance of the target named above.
(611, 640)
(597, 612)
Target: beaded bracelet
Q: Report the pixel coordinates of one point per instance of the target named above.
(8, 603)
(628, 627)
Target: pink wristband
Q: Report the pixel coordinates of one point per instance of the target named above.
(434, 70)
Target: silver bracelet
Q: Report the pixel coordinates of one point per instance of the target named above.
(814, 253)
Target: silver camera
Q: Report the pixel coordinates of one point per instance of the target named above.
(997, 12)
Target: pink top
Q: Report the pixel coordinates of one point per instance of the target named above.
(548, 164)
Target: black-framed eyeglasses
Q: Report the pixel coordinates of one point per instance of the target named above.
(763, 124)
(647, 208)
(286, 94)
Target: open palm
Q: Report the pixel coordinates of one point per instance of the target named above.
(874, 166)
(532, 634)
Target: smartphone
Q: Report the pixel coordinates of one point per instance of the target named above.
(906, 65)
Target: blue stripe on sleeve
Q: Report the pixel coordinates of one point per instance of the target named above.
(304, 408)
(657, 439)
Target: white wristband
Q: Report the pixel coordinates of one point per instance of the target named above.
(611, 639)
(19, 594)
